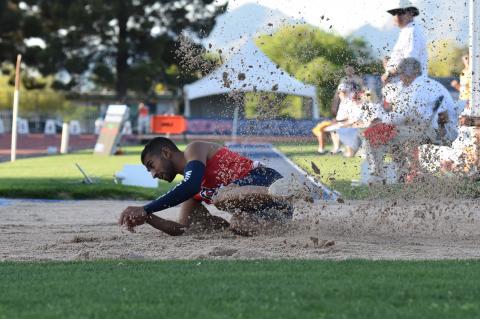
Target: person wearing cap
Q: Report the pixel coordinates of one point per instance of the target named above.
(411, 42)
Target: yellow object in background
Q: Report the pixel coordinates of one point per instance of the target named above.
(465, 83)
(317, 130)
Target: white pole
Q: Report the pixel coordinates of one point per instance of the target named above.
(474, 57)
(315, 113)
(65, 139)
(13, 154)
(186, 111)
(235, 124)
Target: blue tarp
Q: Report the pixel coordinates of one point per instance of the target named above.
(252, 127)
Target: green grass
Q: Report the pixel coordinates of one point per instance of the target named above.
(56, 177)
(241, 289)
(336, 171)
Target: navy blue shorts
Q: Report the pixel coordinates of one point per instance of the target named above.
(259, 176)
(265, 176)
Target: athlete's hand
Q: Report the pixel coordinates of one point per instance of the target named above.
(132, 216)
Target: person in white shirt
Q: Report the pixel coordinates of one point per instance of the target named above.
(425, 113)
(348, 93)
(411, 41)
(349, 112)
(390, 90)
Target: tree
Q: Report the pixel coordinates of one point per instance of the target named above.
(15, 27)
(445, 58)
(317, 57)
(39, 101)
(123, 44)
(265, 105)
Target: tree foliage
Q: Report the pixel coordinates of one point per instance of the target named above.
(317, 57)
(445, 58)
(264, 105)
(43, 102)
(16, 25)
(123, 44)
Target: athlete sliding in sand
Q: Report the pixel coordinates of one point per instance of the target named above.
(214, 175)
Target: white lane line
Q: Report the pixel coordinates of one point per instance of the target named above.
(332, 194)
(266, 147)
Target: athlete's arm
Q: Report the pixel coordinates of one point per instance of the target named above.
(188, 209)
(170, 227)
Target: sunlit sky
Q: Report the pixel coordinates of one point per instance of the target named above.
(441, 19)
(345, 15)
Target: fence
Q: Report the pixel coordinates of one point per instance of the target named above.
(286, 127)
(36, 122)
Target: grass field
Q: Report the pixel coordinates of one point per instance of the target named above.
(219, 288)
(56, 177)
(337, 172)
(241, 289)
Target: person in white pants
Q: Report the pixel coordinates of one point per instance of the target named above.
(423, 115)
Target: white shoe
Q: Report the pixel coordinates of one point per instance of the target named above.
(289, 188)
(375, 180)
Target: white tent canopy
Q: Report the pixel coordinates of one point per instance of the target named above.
(248, 70)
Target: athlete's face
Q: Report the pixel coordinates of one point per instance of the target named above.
(160, 165)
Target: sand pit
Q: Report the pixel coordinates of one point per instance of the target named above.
(86, 230)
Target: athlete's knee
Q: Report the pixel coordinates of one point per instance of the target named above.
(225, 202)
(244, 224)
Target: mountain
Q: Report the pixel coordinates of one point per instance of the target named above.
(245, 21)
(381, 41)
(440, 19)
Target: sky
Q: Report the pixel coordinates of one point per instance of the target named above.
(344, 21)
(441, 19)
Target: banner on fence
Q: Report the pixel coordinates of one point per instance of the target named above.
(168, 124)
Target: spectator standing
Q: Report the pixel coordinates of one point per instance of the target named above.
(350, 76)
(411, 41)
(143, 123)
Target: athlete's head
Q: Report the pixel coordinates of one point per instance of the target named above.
(157, 156)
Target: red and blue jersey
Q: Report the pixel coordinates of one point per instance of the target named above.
(222, 169)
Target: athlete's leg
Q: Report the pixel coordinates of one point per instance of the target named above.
(247, 224)
(245, 198)
(253, 209)
(193, 212)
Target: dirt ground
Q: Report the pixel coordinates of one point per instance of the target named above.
(84, 230)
